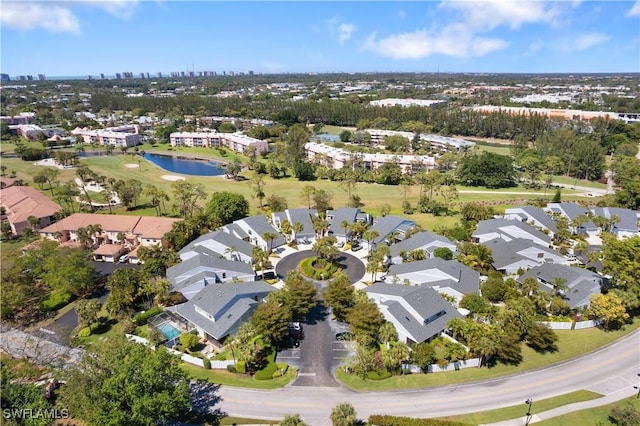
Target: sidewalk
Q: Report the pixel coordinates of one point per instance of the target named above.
(570, 408)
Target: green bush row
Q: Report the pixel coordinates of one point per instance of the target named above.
(142, 318)
(378, 375)
(241, 367)
(281, 370)
(56, 301)
(206, 363)
(384, 420)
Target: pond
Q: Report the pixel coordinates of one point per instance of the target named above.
(185, 166)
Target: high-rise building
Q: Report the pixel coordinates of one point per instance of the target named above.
(159, 74)
(101, 76)
(118, 76)
(250, 72)
(5, 77)
(30, 77)
(41, 77)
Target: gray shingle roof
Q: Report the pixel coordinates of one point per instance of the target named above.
(226, 239)
(303, 216)
(628, 218)
(234, 229)
(180, 272)
(343, 213)
(419, 240)
(505, 253)
(387, 224)
(500, 225)
(425, 301)
(539, 215)
(581, 282)
(230, 304)
(260, 225)
(462, 278)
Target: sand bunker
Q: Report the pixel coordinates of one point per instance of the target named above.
(172, 178)
(132, 166)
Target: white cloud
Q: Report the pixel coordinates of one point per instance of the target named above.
(342, 30)
(58, 16)
(587, 40)
(635, 10)
(345, 32)
(465, 35)
(27, 16)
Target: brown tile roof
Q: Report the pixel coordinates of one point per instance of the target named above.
(109, 249)
(142, 226)
(154, 227)
(20, 202)
(8, 181)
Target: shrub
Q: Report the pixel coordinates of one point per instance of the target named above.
(142, 318)
(230, 368)
(241, 367)
(56, 301)
(85, 332)
(189, 340)
(128, 326)
(283, 366)
(276, 374)
(378, 375)
(206, 363)
(384, 420)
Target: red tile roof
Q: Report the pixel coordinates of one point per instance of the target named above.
(20, 202)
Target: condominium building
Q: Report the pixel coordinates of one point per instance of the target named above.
(337, 158)
(117, 136)
(564, 114)
(237, 142)
(436, 142)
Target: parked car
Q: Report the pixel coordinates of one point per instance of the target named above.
(124, 259)
(356, 247)
(341, 244)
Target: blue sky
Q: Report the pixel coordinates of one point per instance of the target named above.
(84, 37)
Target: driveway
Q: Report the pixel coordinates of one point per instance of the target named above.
(351, 265)
(59, 330)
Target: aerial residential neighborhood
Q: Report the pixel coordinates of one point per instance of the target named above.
(345, 214)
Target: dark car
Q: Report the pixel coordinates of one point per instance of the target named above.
(356, 247)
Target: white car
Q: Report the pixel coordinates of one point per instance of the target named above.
(124, 259)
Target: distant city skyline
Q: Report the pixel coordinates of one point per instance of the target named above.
(81, 38)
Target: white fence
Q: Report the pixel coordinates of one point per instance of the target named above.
(453, 366)
(184, 357)
(578, 325)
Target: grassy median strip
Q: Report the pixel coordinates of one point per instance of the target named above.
(571, 343)
(517, 411)
(591, 416)
(222, 377)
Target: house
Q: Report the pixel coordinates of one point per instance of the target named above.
(572, 211)
(222, 244)
(128, 232)
(580, 283)
(447, 276)
(193, 274)
(218, 310)
(255, 227)
(390, 227)
(299, 215)
(19, 203)
(424, 240)
(418, 313)
(625, 226)
(511, 256)
(508, 230)
(534, 216)
(349, 214)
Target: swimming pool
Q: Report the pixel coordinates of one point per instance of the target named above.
(168, 330)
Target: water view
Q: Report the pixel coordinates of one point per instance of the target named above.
(185, 166)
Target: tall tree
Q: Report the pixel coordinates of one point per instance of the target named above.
(340, 296)
(226, 207)
(186, 196)
(300, 295)
(271, 319)
(126, 383)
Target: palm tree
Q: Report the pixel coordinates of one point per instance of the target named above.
(270, 237)
(369, 235)
(298, 227)
(344, 224)
(286, 228)
(343, 414)
(232, 252)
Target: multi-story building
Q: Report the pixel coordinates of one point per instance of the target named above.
(337, 158)
(437, 142)
(117, 136)
(22, 118)
(237, 142)
(19, 203)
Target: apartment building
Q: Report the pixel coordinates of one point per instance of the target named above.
(237, 142)
(19, 203)
(336, 158)
(436, 142)
(126, 136)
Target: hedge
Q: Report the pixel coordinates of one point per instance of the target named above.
(85, 332)
(307, 269)
(56, 301)
(142, 318)
(241, 367)
(206, 363)
(378, 375)
(230, 368)
(384, 420)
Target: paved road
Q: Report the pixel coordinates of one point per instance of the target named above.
(610, 371)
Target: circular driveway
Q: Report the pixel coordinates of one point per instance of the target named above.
(351, 265)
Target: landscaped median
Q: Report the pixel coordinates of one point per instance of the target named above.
(571, 344)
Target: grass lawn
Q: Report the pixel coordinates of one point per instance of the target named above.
(223, 377)
(336, 130)
(591, 416)
(571, 343)
(488, 147)
(518, 411)
(580, 182)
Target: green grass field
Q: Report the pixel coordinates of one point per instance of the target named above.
(571, 343)
(373, 196)
(223, 377)
(598, 416)
(518, 411)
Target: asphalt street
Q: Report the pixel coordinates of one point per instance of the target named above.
(351, 265)
(610, 371)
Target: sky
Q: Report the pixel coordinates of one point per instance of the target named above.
(84, 37)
